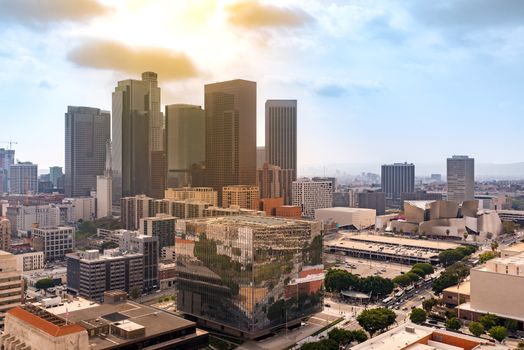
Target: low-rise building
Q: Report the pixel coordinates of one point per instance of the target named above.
(90, 274)
(457, 294)
(30, 261)
(350, 218)
(84, 325)
(242, 196)
(289, 211)
(416, 337)
(167, 272)
(54, 242)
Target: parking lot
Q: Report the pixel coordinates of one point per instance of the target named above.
(366, 267)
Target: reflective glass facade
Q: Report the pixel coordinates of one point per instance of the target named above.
(250, 274)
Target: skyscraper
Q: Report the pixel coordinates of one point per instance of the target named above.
(461, 178)
(138, 130)
(231, 114)
(104, 188)
(281, 141)
(23, 178)
(269, 181)
(55, 173)
(87, 131)
(7, 158)
(396, 179)
(186, 142)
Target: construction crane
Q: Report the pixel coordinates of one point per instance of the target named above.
(10, 142)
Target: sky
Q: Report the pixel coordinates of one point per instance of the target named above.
(376, 81)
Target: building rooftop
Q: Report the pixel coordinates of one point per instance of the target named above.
(251, 220)
(516, 248)
(463, 288)
(415, 337)
(408, 242)
(346, 210)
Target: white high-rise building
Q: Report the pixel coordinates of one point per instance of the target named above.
(311, 195)
(461, 178)
(104, 188)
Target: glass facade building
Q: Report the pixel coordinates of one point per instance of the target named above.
(248, 275)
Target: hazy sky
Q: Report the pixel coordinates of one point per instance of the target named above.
(376, 81)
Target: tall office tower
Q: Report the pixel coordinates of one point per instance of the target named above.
(104, 188)
(372, 200)
(186, 142)
(133, 241)
(87, 131)
(5, 234)
(281, 141)
(55, 242)
(55, 173)
(242, 196)
(135, 208)
(461, 178)
(241, 295)
(7, 158)
(12, 290)
(396, 179)
(231, 117)
(161, 226)
(138, 130)
(311, 195)
(90, 274)
(269, 180)
(23, 178)
(203, 194)
(261, 156)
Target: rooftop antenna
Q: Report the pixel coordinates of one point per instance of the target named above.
(10, 142)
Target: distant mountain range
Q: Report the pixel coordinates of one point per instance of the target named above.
(486, 171)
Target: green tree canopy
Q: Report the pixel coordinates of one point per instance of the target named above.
(511, 325)
(476, 328)
(498, 333)
(489, 320)
(418, 316)
(426, 267)
(453, 323)
(419, 272)
(44, 283)
(486, 256)
(402, 280)
(373, 320)
(450, 256)
(428, 304)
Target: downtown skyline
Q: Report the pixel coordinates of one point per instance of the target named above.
(356, 91)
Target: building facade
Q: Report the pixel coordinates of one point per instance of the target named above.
(270, 181)
(90, 274)
(281, 141)
(87, 130)
(311, 195)
(241, 196)
(136, 108)
(235, 278)
(132, 209)
(30, 261)
(7, 158)
(133, 241)
(12, 291)
(186, 142)
(203, 194)
(461, 178)
(161, 226)
(55, 243)
(5, 234)
(231, 114)
(396, 179)
(23, 178)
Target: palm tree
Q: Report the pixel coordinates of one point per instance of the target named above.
(494, 246)
(447, 232)
(465, 234)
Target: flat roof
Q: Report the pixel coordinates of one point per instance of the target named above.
(419, 243)
(464, 288)
(382, 248)
(467, 307)
(519, 247)
(154, 320)
(345, 210)
(252, 220)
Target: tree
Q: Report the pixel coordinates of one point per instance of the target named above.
(341, 336)
(445, 280)
(465, 235)
(418, 316)
(509, 227)
(376, 285)
(373, 320)
(108, 245)
(44, 283)
(476, 328)
(426, 267)
(359, 336)
(413, 276)
(419, 272)
(489, 321)
(494, 246)
(498, 333)
(447, 232)
(489, 235)
(486, 256)
(453, 323)
(450, 256)
(428, 304)
(135, 292)
(402, 280)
